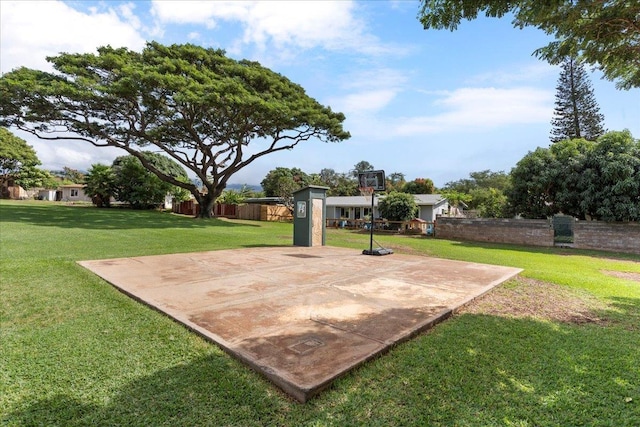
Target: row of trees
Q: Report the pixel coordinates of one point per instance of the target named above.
(281, 181)
(586, 179)
(126, 180)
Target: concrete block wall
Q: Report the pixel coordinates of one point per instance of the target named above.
(533, 232)
(606, 236)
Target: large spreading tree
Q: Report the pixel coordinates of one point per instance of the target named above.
(211, 114)
(576, 114)
(605, 34)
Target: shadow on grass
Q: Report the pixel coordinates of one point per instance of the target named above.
(471, 370)
(546, 250)
(211, 390)
(89, 217)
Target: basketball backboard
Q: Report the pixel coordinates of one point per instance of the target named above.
(373, 179)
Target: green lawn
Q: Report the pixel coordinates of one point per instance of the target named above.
(74, 351)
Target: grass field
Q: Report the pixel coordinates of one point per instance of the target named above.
(74, 351)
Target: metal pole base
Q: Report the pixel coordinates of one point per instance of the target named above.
(379, 251)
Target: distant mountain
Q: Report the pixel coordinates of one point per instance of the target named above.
(252, 187)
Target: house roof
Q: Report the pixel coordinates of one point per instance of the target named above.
(361, 201)
(351, 201)
(429, 199)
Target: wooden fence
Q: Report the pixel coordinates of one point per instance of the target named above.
(247, 211)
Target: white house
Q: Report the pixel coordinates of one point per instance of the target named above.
(359, 207)
(72, 193)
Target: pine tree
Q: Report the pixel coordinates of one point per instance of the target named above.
(577, 114)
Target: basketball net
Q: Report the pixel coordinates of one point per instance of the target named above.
(366, 192)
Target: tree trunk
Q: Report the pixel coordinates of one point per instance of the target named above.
(206, 202)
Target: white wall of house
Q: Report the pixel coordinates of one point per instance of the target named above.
(357, 207)
(74, 193)
(49, 195)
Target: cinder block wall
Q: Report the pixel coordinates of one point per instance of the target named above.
(606, 236)
(534, 232)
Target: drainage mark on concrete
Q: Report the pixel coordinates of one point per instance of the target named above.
(306, 345)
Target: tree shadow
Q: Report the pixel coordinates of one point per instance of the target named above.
(547, 250)
(89, 217)
(210, 390)
(475, 369)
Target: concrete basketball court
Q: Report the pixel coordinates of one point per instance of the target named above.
(301, 316)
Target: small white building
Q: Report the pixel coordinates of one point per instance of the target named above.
(72, 193)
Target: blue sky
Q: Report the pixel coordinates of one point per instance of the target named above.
(429, 104)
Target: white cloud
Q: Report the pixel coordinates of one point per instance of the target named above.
(366, 101)
(332, 25)
(481, 108)
(33, 30)
(374, 90)
(535, 71)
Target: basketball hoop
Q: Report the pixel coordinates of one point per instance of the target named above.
(366, 192)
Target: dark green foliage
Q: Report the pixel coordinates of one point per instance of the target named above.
(137, 186)
(33, 177)
(15, 154)
(396, 182)
(100, 185)
(603, 34)
(397, 206)
(544, 182)
(419, 186)
(486, 191)
(577, 114)
(580, 178)
(282, 182)
(361, 166)
(69, 175)
(196, 105)
(340, 184)
(609, 179)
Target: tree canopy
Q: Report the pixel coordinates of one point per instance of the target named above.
(137, 186)
(15, 154)
(361, 166)
(397, 206)
(598, 180)
(605, 34)
(99, 184)
(196, 105)
(577, 114)
(419, 186)
(19, 161)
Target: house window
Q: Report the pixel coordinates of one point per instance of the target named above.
(357, 214)
(344, 212)
(74, 192)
